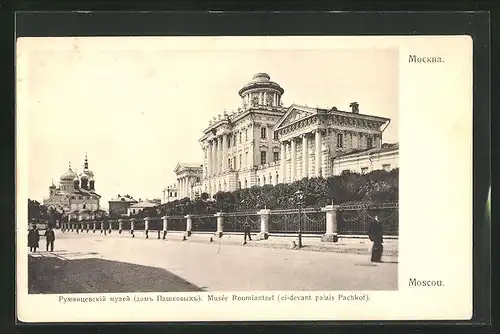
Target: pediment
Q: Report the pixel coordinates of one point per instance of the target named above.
(294, 114)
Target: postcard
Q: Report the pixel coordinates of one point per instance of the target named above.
(185, 179)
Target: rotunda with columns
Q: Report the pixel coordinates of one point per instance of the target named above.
(263, 142)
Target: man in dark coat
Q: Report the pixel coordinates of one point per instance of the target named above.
(376, 236)
(246, 230)
(33, 239)
(50, 237)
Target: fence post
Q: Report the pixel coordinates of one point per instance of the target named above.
(331, 224)
(132, 221)
(264, 223)
(165, 225)
(120, 226)
(146, 227)
(88, 227)
(220, 223)
(189, 224)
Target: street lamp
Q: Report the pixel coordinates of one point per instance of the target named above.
(299, 198)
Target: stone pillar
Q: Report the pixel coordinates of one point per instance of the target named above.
(331, 224)
(317, 156)
(146, 226)
(214, 156)
(220, 157)
(283, 162)
(94, 227)
(264, 223)
(220, 223)
(132, 223)
(120, 226)
(102, 227)
(179, 188)
(293, 160)
(209, 159)
(224, 153)
(165, 226)
(88, 227)
(189, 225)
(305, 156)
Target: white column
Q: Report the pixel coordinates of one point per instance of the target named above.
(294, 160)
(219, 155)
(260, 98)
(189, 223)
(179, 187)
(209, 159)
(317, 164)
(264, 223)
(214, 156)
(283, 162)
(164, 218)
(224, 153)
(265, 98)
(220, 223)
(331, 224)
(305, 156)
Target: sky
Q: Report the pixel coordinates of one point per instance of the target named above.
(138, 106)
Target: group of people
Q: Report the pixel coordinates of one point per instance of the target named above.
(34, 239)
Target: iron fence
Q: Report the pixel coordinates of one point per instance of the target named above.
(176, 223)
(356, 219)
(235, 222)
(204, 223)
(288, 221)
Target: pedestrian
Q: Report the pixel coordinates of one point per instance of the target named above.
(246, 230)
(50, 237)
(375, 233)
(33, 239)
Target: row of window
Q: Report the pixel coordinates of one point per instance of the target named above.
(340, 141)
(365, 170)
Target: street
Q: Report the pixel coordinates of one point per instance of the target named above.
(113, 263)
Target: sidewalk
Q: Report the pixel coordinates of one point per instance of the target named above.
(360, 246)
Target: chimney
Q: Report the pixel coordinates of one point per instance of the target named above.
(354, 107)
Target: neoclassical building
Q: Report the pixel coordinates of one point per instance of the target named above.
(76, 194)
(264, 142)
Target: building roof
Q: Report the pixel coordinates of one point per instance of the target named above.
(143, 204)
(386, 147)
(123, 199)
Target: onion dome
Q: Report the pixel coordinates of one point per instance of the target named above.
(84, 177)
(69, 175)
(52, 186)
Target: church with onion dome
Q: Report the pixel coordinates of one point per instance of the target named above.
(75, 195)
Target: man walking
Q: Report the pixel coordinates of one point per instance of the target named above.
(50, 237)
(376, 236)
(246, 229)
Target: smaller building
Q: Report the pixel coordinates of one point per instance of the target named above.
(119, 205)
(136, 208)
(188, 174)
(364, 161)
(169, 194)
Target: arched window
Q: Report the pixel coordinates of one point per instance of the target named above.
(246, 183)
(263, 180)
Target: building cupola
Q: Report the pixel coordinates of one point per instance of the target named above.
(261, 92)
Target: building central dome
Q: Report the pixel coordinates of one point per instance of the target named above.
(261, 91)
